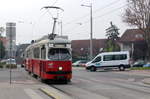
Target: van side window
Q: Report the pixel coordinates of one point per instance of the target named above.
(98, 59)
(120, 57)
(108, 57)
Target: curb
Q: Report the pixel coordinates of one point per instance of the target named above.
(49, 93)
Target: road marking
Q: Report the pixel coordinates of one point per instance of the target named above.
(49, 93)
(32, 94)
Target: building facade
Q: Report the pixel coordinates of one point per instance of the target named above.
(11, 39)
(132, 40)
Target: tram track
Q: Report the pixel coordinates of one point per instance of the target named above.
(64, 92)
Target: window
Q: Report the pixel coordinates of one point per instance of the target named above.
(108, 57)
(29, 54)
(120, 57)
(115, 57)
(59, 54)
(138, 36)
(98, 59)
(36, 53)
(43, 52)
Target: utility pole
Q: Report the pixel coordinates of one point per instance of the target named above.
(61, 28)
(91, 39)
(91, 29)
(10, 54)
(10, 32)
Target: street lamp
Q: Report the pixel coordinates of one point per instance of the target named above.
(91, 30)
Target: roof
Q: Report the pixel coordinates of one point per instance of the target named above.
(131, 35)
(48, 41)
(86, 43)
(112, 53)
(83, 46)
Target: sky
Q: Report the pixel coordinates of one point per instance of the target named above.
(33, 22)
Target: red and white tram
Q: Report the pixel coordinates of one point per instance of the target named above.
(50, 59)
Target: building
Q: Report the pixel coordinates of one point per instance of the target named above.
(4, 40)
(11, 38)
(81, 48)
(133, 40)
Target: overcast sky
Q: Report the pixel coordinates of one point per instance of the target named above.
(34, 22)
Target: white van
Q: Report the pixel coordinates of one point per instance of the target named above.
(110, 59)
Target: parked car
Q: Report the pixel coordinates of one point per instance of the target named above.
(147, 65)
(139, 63)
(80, 63)
(4, 61)
(11, 61)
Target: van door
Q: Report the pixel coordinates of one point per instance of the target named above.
(97, 61)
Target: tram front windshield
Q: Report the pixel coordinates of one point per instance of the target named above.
(59, 54)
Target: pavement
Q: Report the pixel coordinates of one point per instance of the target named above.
(140, 73)
(131, 72)
(23, 86)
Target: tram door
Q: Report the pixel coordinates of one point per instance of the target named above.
(43, 60)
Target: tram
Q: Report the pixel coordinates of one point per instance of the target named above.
(50, 59)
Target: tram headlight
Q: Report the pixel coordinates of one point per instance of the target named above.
(60, 68)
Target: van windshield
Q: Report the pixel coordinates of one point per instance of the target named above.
(98, 59)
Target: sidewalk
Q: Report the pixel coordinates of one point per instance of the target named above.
(24, 86)
(16, 91)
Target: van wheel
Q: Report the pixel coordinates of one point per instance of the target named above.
(93, 69)
(121, 68)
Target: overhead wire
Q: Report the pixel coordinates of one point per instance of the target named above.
(54, 2)
(106, 6)
(107, 13)
(86, 15)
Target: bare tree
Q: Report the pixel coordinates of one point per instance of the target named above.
(138, 14)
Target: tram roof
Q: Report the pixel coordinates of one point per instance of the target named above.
(56, 40)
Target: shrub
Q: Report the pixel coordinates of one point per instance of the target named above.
(2, 64)
(140, 68)
(13, 66)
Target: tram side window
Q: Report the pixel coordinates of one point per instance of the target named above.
(36, 53)
(28, 54)
(43, 52)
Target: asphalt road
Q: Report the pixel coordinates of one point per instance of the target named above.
(111, 84)
(105, 85)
